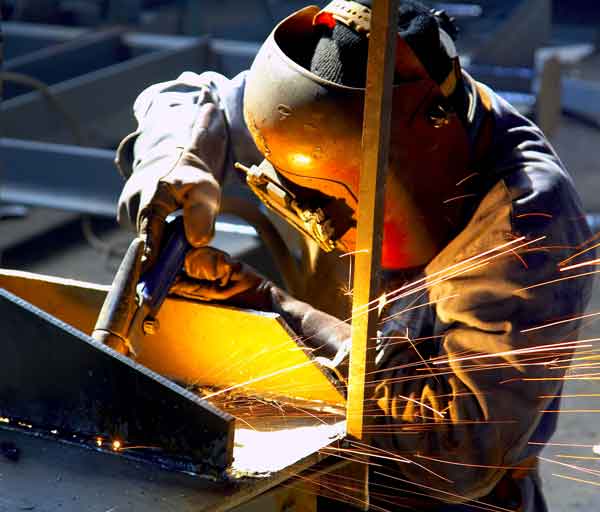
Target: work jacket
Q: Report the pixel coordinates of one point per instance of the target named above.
(472, 348)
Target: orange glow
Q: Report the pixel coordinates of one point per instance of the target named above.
(301, 160)
(116, 445)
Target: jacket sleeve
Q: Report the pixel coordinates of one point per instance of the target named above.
(461, 402)
(166, 115)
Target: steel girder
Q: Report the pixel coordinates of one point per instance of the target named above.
(58, 381)
(65, 177)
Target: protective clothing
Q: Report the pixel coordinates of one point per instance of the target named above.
(178, 170)
(211, 274)
(310, 130)
(458, 393)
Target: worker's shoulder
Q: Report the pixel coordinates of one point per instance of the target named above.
(522, 190)
(188, 88)
(539, 187)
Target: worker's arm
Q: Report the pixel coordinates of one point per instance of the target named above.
(455, 401)
(190, 130)
(462, 399)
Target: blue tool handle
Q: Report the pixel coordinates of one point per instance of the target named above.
(156, 282)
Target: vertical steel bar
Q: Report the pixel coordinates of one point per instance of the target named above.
(375, 148)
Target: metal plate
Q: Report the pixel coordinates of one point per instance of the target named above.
(197, 343)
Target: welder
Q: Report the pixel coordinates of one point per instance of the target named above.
(467, 176)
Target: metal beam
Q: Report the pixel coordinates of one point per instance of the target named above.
(375, 147)
(96, 96)
(60, 382)
(57, 63)
(70, 178)
(23, 38)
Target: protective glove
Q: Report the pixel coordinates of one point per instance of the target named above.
(168, 177)
(212, 275)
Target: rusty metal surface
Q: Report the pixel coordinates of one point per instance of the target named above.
(57, 477)
(59, 381)
(375, 146)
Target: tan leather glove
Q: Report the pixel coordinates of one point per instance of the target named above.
(212, 275)
(168, 177)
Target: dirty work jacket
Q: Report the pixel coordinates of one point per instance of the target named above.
(466, 363)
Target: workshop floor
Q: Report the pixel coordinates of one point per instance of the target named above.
(65, 252)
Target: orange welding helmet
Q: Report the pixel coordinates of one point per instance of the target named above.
(309, 130)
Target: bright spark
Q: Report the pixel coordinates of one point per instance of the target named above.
(563, 445)
(572, 466)
(569, 345)
(557, 281)
(454, 463)
(458, 198)
(572, 257)
(257, 379)
(577, 457)
(361, 251)
(467, 178)
(581, 317)
(582, 264)
(577, 480)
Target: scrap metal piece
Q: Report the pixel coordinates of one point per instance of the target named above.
(56, 378)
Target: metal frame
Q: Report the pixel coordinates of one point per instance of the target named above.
(95, 96)
(64, 177)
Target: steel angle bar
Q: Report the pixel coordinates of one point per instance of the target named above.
(58, 381)
(57, 63)
(59, 176)
(96, 95)
(22, 38)
(375, 148)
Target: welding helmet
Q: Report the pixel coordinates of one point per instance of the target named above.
(309, 131)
